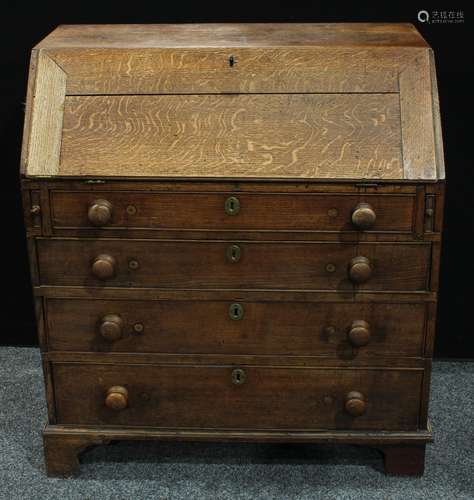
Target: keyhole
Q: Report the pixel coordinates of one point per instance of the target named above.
(233, 253)
(238, 376)
(231, 61)
(236, 312)
(232, 205)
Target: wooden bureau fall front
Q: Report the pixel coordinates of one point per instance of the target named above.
(234, 234)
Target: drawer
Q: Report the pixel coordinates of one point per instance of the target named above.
(229, 397)
(231, 211)
(227, 327)
(233, 265)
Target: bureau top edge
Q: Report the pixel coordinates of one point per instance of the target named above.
(233, 35)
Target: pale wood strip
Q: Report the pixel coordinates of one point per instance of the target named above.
(437, 120)
(416, 107)
(254, 70)
(28, 109)
(233, 35)
(46, 118)
(241, 136)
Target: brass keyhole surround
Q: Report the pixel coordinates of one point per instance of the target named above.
(233, 253)
(238, 376)
(236, 312)
(232, 205)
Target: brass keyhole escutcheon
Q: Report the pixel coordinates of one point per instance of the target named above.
(236, 312)
(232, 205)
(238, 376)
(233, 253)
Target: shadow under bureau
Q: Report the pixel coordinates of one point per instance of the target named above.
(234, 234)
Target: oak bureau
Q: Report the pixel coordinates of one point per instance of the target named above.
(234, 234)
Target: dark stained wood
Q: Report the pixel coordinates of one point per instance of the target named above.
(404, 460)
(64, 443)
(284, 295)
(186, 264)
(199, 186)
(384, 362)
(205, 211)
(205, 397)
(61, 452)
(205, 326)
(232, 135)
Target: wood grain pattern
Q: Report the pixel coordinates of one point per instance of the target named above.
(295, 136)
(44, 142)
(98, 292)
(438, 135)
(30, 91)
(124, 358)
(417, 121)
(205, 397)
(186, 264)
(233, 35)
(205, 70)
(258, 212)
(202, 326)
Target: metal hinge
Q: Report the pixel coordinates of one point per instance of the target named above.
(430, 207)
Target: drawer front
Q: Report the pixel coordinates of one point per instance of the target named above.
(229, 211)
(226, 327)
(230, 265)
(251, 398)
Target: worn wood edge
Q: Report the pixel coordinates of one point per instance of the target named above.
(53, 291)
(425, 393)
(438, 133)
(254, 235)
(264, 186)
(234, 180)
(49, 389)
(375, 28)
(344, 436)
(31, 86)
(290, 241)
(325, 362)
(45, 131)
(416, 114)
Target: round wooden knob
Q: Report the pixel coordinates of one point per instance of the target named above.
(355, 404)
(103, 267)
(363, 216)
(360, 269)
(111, 327)
(117, 398)
(100, 212)
(359, 334)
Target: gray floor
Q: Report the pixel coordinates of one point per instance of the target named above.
(234, 471)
